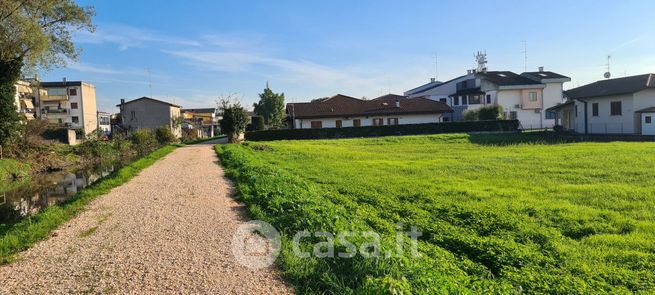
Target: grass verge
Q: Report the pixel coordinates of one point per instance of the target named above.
(22, 235)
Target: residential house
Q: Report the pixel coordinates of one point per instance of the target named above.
(613, 106)
(206, 120)
(104, 123)
(150, 113)
(524, 97)
(345, 111)
(70, 104)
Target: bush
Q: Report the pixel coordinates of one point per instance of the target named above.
(490, 112)
(471, 115)
(234, 120)
(144, 141)
(374, 131)
(558, 128)
(164, 135)
(257, 123)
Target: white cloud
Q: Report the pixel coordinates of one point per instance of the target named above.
(129, 37)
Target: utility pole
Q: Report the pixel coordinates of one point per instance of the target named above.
(436, 67)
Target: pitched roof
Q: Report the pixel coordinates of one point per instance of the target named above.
(544, 75)
(617, 86)
(506, 78)
(423, 87)
(391, 96)
(152, 99)
(346, 106)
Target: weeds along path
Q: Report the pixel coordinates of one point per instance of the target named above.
(168, 230)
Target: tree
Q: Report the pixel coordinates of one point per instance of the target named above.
(271, 107)
(235, 119)
(490, 112)
(34, 34)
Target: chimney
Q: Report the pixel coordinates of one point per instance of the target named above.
(397, 103)
(122, 101)
(541, 69)
(64, 79)
(433, 79)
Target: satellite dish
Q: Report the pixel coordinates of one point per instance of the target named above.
(607, 75)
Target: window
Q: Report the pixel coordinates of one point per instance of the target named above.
(392, 121)
(464, 100)
(475, 99)
(444, 100)
(594, 109)
(550, 115)
(317, 124)
(72, 91)
(73, 106)
(338, 123)
(615, 108)
(532, 96)
(75, 119)
(488, 98)
(456, 100)
(648, 119)
(357, 123)
(512, 115)
(378, 122)
(133, 115)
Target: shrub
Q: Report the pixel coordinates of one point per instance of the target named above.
(257, 123)
(374, 131)
(490, 112)
(558, 128)
(144, 141)
(471, 115)
(234, 120)
(164, 135)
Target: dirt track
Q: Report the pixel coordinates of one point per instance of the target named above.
(168, 230)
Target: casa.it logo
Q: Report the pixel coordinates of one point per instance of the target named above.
(256, 244)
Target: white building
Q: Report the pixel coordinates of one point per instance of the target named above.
(70, 104)
(149, 113)
(523, 97)
(614, 106)
(344, 111)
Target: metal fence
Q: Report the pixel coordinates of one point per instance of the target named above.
(611, 128)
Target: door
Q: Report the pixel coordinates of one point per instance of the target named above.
(647, 124)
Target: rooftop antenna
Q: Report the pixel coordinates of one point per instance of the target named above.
(481, 58)
(525, 55)
(607, 74)
(149, 82)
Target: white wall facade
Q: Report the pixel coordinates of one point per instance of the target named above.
(368, 121)
(605, 123)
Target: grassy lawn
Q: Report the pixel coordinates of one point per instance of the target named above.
(498, 213)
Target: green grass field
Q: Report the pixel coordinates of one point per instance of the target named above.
(499, 213)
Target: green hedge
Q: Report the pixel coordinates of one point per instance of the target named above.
(374, 131)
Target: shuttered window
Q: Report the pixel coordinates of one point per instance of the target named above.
(338, 123)
(357, 123)
(317, 124)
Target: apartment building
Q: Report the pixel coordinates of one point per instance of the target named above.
(70, 104)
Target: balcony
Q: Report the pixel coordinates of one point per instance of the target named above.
(46, 98)
(54, 111)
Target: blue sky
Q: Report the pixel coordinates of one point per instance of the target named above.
(199, 50)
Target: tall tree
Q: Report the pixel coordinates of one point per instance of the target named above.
(34, 34)
(270, 107)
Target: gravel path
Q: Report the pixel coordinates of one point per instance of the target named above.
(168, 230)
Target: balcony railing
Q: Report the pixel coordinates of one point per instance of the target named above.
(54, 97)
(54, 111)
